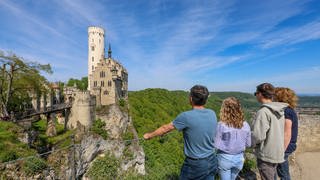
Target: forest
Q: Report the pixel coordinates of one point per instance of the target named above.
(150, 109)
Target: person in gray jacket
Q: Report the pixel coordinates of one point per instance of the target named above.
(268, 132)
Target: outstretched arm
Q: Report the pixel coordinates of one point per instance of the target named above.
(164, 129)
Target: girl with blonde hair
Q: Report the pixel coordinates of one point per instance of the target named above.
(232, 137)
(288, 96)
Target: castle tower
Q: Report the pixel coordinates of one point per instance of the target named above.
(95, 49)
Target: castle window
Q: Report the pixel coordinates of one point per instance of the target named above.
(92, 59)
(102, 83)
(106, 92)
(109, 83)
(95, 83)
(92, 67)
(92, 48)
(102, 74)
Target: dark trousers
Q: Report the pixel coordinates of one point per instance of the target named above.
(200, 169)
(267, 170)
(283, 168)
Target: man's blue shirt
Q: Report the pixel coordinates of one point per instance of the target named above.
(199, 130)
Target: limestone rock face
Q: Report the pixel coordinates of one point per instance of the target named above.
(12, 171)
(116, 122)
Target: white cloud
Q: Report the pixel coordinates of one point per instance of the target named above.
(289, 36)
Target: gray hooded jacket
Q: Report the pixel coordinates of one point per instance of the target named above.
(268, 132)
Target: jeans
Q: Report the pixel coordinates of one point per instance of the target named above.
(283, 169)
(200, 169)
(267, 170)
(230, 165)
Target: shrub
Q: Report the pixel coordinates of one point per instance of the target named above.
(98, 127)
(34, 165)
(8, 156)
(128, 135)
(122, 102)
(104, 167)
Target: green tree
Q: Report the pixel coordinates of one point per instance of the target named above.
(18, 78)
(81, 84)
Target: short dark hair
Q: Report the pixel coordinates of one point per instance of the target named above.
(267, 90)
(199, 95)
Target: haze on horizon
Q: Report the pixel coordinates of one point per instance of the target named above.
(227, 46)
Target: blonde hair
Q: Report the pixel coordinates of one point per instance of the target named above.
(231, 113)
(286, 95)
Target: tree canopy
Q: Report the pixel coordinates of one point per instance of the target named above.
(81, 84)
(18, 78)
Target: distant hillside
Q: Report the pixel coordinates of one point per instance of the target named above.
(248, 101)
(313, 101)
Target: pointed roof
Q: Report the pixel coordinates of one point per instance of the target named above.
(109, 51)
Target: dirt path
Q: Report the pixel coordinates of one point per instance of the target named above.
(308, 163)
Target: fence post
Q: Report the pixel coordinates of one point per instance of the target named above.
(73, 159)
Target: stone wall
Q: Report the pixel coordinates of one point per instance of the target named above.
(83, 110)
(309, 133)
(308, 142)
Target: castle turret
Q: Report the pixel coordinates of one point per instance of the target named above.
(109, 52)
(95, 49)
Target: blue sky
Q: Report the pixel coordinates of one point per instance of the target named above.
(225, 45)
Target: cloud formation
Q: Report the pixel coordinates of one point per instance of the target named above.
(169, 44)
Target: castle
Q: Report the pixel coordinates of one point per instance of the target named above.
(107, 83)
(107, 78)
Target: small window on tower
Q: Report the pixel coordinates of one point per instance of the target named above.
(92, 67)
(99, 41)
(92, 59)
(92, 48)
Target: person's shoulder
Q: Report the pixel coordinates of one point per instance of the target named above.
(246, 126)
(289, 110)
(220, 123)
(263, 109)
(210, 111)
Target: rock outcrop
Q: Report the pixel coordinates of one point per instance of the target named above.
(92, 146)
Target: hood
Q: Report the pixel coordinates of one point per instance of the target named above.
(277, 108)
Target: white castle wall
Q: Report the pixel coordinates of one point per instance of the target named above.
(95, 48)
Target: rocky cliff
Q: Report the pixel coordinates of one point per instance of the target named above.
(93, 146)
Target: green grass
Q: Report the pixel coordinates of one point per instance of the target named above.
(61, 140)
(33, 165)
(10, 146)
(104, 167)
